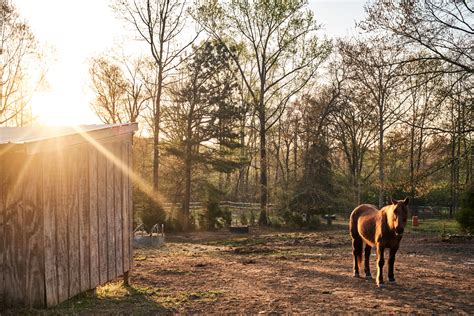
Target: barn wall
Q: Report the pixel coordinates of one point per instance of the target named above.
(65, 222)
(22, 231)
(2, 235)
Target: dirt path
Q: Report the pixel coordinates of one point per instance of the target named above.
(285, 272)
(305, 272)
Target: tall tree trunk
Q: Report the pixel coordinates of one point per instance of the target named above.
(453, 175)
(295, 154)
(187, 176)
(412, 160)
(263, 219)
(156, 127)
(381, 158)
(156, 139)
(187, 191)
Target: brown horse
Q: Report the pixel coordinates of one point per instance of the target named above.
(377, 228)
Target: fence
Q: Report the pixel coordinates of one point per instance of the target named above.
(238, 209)
(430, 211)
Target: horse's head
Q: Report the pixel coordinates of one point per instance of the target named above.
(399, 215)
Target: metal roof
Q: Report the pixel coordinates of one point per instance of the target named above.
(35, 139)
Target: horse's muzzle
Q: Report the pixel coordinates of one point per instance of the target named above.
(399, 231)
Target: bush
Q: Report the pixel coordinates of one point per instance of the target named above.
(252, 218)
(465, 216)
(226, 216)
(214, 217)
(209, 220)
(313, 222)
(243, 219)
(149, 211)
(293, 219)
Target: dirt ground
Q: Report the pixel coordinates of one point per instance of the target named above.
(306, 272)
(289, 272)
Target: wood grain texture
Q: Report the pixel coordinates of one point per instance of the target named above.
(112, 273)
(62, 254)
(72, 211)
(50, 206)
(3, 186)
(33, 233)
(94, 224)
(14, 264)
(125, 211)
(102, 217)
(119, 242)
(84, 220)
(130, 198)
(65, 222)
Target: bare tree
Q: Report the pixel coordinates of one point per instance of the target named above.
(18, 48)
(159, 23)
(444, 29)
(279, 38)
(110, 87)
(120, 91)
(373, 65)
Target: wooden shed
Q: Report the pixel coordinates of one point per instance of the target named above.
(65, 211)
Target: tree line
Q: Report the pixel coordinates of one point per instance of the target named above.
(244, 100)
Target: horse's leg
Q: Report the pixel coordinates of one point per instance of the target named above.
(391, 263)
(367, 266)
(357, 253)
(380, 263)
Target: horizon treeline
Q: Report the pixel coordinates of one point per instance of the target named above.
(247, 101)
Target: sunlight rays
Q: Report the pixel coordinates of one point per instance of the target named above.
(30, 148)
(142, 184)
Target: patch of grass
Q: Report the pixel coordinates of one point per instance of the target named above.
(112, 297)
(435, 226)
(139, 258)
(176, 299)
(159, 271)
(256, 240)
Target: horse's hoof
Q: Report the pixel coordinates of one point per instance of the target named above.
(380, 285)
(392, 282)
(368, 276)
(356, 275)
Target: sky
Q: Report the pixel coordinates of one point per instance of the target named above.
(75, 31)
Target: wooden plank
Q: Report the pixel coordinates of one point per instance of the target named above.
(93, 229)
(83, 212)
(118, 210)
(102, 217)
(14, 260)
(130, 198)
(125, 210)
(73, 220)
(112, 273)
(3, 188)
(62, 255)
(50, 189)
(33, 229)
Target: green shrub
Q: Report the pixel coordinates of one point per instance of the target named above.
(465, 216)
(226, 216)
(243, 219)
(252, 218)
(313, 222)
(293, 219)
(149, 211)
(210, 218)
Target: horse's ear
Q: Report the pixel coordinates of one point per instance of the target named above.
(394, 202)
(406, 201)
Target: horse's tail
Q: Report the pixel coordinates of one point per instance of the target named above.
(357, 244)
(353, 223)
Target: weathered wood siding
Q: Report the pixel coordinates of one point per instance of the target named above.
(65, 221)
